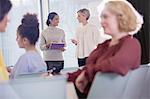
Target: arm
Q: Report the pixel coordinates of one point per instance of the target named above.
(43, 45)
(81, 82)
(4, 75)
(64, 41)
(21, 67)
(126, 58)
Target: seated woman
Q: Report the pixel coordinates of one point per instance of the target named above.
(119, 54)
(27, 36)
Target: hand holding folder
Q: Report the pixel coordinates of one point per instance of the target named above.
(57, 46)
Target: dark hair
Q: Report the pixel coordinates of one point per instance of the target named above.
(51, 17)
(5, 6)
(29, 28)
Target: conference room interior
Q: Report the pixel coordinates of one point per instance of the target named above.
(57, 87)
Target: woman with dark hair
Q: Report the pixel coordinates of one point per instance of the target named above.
(52, 34)
(27, 36)
(5, 6)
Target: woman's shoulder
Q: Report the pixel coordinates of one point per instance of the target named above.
(30, 55)
(79, 28)
(60, 29)
(44, 31)
(106, 42)
(130, 39)
(89, 25)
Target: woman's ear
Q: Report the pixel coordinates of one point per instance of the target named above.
(50, 20)
(25, 41)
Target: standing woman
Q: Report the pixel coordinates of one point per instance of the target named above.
(87, 37)
(53, 34)
(5, 6)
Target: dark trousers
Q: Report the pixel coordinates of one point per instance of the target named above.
(55, 66)
(82, 61)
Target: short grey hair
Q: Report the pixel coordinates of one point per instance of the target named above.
(85, 12)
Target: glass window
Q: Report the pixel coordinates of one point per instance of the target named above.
(9, 46)
(68, 22)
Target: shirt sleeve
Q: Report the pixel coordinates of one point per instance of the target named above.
(126, 58)
(21, 67)
(43, 43)
(76, 34)
(63, 39)
(3, 71)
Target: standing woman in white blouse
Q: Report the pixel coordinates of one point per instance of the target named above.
(53, 34)
(86, 38)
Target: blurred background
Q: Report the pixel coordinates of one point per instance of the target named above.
(67, 11)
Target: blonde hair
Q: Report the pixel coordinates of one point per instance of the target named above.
(85, 12)
(125, 15)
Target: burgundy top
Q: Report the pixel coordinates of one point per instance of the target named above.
(119, 58)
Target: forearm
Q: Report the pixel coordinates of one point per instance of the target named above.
(72, 76)
(43, 43)
(43, 47)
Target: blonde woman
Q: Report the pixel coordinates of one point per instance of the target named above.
(87, 37)
(119, 54)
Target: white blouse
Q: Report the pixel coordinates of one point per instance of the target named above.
(88, 37)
